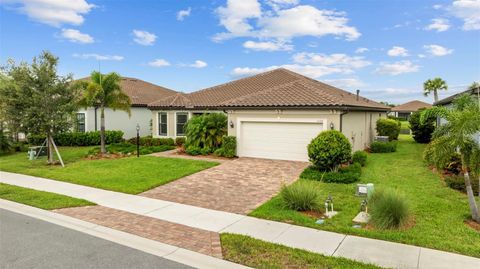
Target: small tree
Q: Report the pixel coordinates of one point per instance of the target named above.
(422, 132)
(329, 150)
(389, 127)
(463, 121)
(434, 85)
(47, 100)
(103, 91)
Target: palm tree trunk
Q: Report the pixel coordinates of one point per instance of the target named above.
(470, 195)
(103, 149)
(49, 149)
(435, 95)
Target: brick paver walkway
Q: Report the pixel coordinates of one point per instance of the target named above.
(237, 186)
(194, 239)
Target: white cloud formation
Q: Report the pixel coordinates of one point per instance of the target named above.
(468, 11)
(397, 51)
(159, 63)
(144, 38)
(53, 12)
(76, 36)
(267, 46)
(361, 50)
(244, 18)
(277, 4)
(183, 13)
(437, 50)
(397, 68)
(98, 57)
(339, 60)
(439, 25)
(346, 83)
(198, 64)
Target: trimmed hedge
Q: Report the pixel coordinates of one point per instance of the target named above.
(360, 157)
(383, 147)
(389, 127)
(127, 148)
(457, 182)
(344, 175)
(329, 150)
(150, 141)
(78, 139)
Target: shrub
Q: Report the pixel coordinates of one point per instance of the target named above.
(5, 143)
(36, 139)
(179, 141)
(457, 182)
(228, 148)
(360, 157)
(329, 149)
(383, 147)
(149, 141)
(389, 209)
(20, 147)
(78, 139)
(422, 132)
(301, 196)
(388, 127)
(205, 151)
(206, 130)
(345, 175)
(126, 148)
(193, 150)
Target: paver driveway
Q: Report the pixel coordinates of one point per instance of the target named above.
(237, 186)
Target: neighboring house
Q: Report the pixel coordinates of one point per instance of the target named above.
(447, 102)
(404, 111)
(274, 114)
(141, 93)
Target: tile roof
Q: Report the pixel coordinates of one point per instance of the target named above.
(411, 106)
(448, 100)
(276, 88)
(142, 93)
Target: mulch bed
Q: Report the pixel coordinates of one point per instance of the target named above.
(473, 224)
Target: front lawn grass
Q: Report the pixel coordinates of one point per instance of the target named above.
(438, 211)
(40, 199)
(260, 254)
(129, 175)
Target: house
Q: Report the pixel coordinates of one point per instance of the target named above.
(447, 102)
(274, 114)
(404, 111)
(141, 93)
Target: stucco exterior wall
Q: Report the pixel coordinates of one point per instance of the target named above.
(119, 120)
(359, 127)
(331, 116)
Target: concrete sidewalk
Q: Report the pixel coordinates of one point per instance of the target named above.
(382, 253)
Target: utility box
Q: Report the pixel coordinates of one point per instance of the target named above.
(380, 138)
(365, 189)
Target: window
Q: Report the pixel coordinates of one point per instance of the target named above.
(80, 123)
(182, 118)
(162, 124)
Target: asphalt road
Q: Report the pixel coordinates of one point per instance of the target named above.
(27, 242)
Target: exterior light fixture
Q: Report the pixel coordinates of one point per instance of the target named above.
(138, 140)
(231, 124)
(332, 126)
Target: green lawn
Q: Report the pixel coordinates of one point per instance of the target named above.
(130, 175)
(40, 199)
(260, 254)
(438, 211)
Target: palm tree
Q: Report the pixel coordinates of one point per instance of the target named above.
(463, 122)
(434, 85)
(104, 91)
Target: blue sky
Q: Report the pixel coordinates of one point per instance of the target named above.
(387, 49)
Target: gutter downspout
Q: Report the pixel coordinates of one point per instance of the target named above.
(341, 119)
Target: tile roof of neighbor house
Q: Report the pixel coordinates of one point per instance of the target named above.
(448, 100)
(142, 93)
(411, 106)
(276, 88)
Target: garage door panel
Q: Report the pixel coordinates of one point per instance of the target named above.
(277, 140)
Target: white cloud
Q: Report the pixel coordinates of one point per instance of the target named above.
(198, 64)
(98, 57)
(53, 12)
(144, 38)
(437, 50)
(438, 6)
(267, 46)
(183, 13)
(346, 83)
(439, 25)
(159, 63)
(244, 18)
(361, 50)
(468, 11)
(339, 60)
(277, 4)
(397, 68)
(397, 51)
(76, 36)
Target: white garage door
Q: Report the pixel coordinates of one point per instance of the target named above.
(277, 140)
